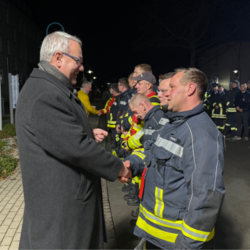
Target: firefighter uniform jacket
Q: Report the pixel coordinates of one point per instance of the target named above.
(108, 105)
(127, 120)
(136, 132)
(230, 99)
(123, 105)
(183, 188)
(113, 114)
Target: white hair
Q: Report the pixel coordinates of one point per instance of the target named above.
(86, 83)
(56, 41)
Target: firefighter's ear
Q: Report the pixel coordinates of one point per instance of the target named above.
(191, 89)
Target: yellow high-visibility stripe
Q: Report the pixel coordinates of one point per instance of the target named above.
(155, 103)
(111, 126)
(157, 233)
(139, 155)
(196, 234)
(188, 231)
(160, 221)
(159, 203)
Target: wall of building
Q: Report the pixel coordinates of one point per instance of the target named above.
(20, 41)
(222, 60)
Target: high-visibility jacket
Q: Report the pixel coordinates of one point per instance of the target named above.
(183, 188)
(136, 132)
(113, 114)
(108, 105)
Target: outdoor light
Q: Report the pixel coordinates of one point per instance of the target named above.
(90, 71)
(94, 77)
(235, 71)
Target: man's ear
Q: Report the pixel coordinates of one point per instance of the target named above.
(191, 88)
(142, 106)
(57, 59)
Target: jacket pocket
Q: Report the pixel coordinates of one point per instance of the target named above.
(81, 192)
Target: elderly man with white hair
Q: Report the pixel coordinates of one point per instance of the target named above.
(61, 162)
(83, 95)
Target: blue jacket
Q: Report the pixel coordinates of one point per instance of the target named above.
(183, 190)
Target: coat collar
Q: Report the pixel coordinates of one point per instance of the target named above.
(178, 116)
(151, 112)
(38, 73)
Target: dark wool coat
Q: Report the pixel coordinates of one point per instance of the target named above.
(61, 166)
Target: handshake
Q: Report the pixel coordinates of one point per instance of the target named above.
(125, 173)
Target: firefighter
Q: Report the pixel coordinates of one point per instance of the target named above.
(182, 188)
(231, 110)
(112, 115)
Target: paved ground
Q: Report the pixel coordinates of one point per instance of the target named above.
(232, 231)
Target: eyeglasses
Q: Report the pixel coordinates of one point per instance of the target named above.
(78, 60)
(162, 91)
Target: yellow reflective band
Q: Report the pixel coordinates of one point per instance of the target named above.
(134, 143)
(142, 156)
(220, 105)
(228, 103)
(112, 122)
(157, 233)
(196, 234)
(160, 221)
(139, 150)
(133, 181)
(130, 120)
(159, 203)
(113, 152)
(155, 103)
(111, 126)
(126, 114)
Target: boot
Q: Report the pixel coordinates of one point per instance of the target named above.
(131, 195)
(135, 212)
(134, 202)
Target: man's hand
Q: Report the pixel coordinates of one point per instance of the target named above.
(99, 113)
(124, 132)
(118, 129)
(216, 106)
(94, 107)
(125, 172)
(99, 134)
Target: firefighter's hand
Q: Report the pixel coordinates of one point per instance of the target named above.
(124, 132)
(99, 113)
(99, 134)
(118, 129)
(216, 106)
(94, 107)
(125, 172)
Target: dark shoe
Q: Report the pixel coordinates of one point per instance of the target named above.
(135, 212)
(131, 195)
(128, 187)
(134, 202)
(133, 223)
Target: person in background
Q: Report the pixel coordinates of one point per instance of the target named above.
(231, 110)
(242, 104)
(83, 95)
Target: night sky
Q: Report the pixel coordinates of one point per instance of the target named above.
(117, 35)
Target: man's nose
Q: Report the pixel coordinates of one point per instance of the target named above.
(81, 68)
